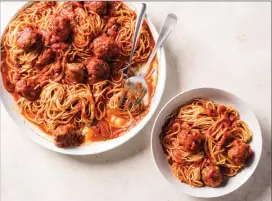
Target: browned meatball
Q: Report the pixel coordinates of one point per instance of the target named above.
(190, 140)
(99, 7)
(212, 176)
(28, 89)
(68, 10)
(75, 73)
(60, 29)
(240, 152)
(97, 69)
(104, 47)
(45, 57)
(60, 48)
(65, 136)
(80, 17)
(27, 38)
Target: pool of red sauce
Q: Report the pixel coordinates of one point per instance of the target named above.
(115, 132)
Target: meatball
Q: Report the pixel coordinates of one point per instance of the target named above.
(65, 136)
(104, 47)
(97, 69)
(28, 89)
(240, 152)
(190, 140)
(45, 57)
(60, 48)
(99, 7)
(75, 73)
(68, 10)
(27, 38)
(80, 17)
(212, 176)
(60, 29)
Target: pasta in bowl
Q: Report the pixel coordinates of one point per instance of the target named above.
(205, 148)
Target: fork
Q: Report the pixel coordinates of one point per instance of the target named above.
(132, 83)
(138, 26)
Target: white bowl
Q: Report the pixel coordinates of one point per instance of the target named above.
(222, 97)
(41, 138)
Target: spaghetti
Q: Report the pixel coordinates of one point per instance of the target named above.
(62, 62)
(204, 141)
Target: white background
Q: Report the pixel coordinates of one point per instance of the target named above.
(223, 45)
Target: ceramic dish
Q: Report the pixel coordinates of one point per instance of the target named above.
(39, 137)
(221, 97)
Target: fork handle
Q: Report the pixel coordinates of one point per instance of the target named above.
(138, 26)
(166, 29)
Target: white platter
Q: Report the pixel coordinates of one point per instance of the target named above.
(41, 138)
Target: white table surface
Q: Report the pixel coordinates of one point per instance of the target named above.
(223, 45)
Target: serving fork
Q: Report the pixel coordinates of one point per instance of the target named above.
(132, 83)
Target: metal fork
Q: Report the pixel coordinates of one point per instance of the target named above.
(130, 83)
(138, 26)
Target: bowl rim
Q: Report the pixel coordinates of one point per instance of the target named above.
(153, 138)
(36, 138)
